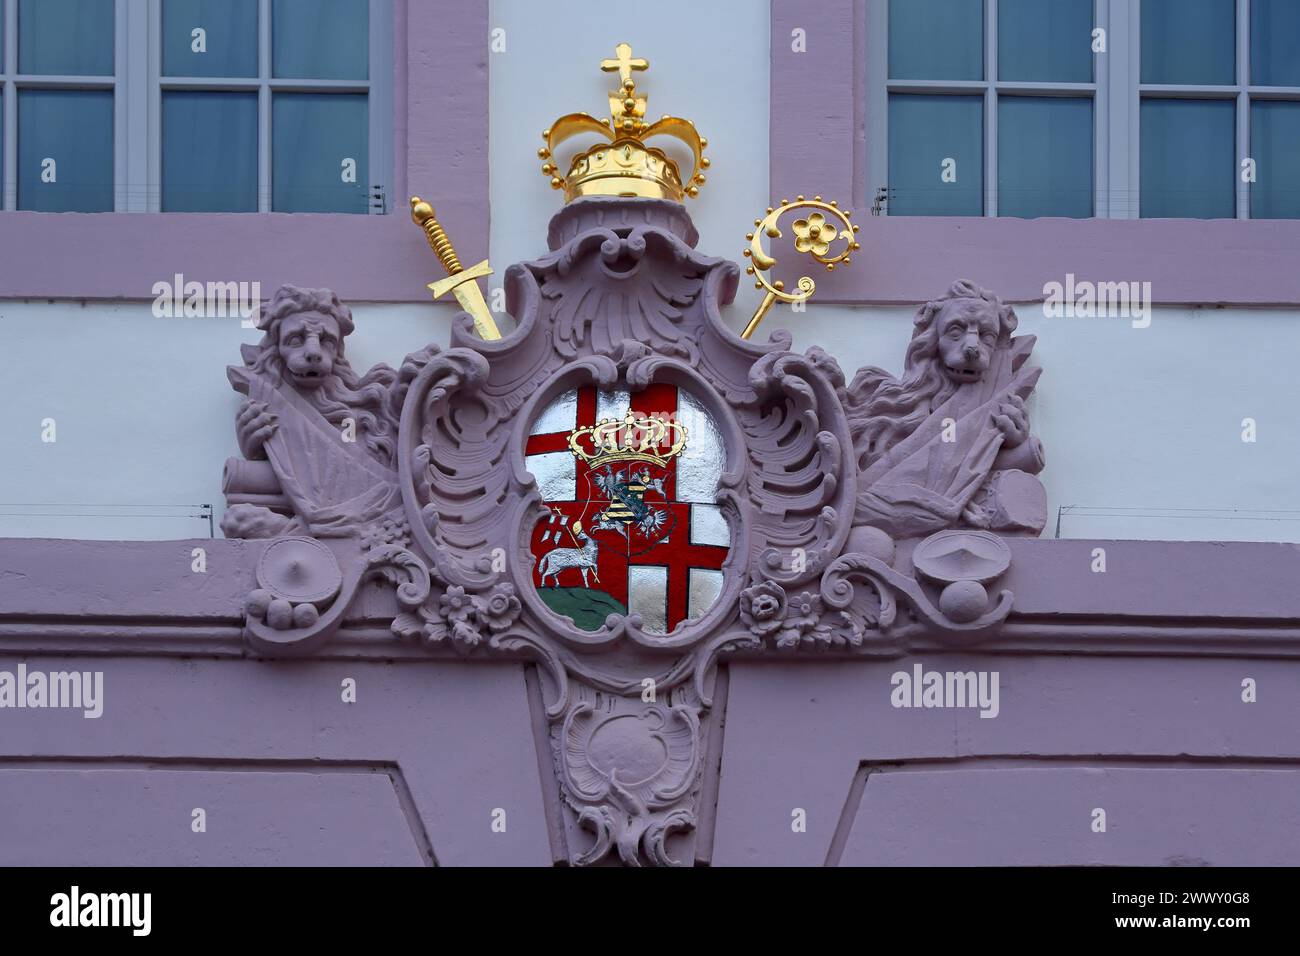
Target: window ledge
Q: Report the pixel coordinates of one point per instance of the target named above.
(1187, 261)
(114, 255)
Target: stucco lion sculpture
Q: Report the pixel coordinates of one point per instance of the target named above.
(948, 443)
(318, 439)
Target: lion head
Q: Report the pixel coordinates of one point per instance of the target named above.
(953, 341)
(304, 347)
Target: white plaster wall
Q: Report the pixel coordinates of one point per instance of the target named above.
(1143, 425)
(143, 412)
(708, 63)
(1147, 420)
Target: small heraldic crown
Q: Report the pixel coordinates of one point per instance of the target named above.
(624, 165)
(632, 438)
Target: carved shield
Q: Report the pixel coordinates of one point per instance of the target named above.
(630, 482)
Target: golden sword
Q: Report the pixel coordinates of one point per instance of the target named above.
(460, 281)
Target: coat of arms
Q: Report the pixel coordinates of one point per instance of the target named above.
(631, 483)
(623, 492)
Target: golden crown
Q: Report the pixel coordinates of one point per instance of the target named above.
(631, 438)
(624, 165)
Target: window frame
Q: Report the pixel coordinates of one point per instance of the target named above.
(991, 89)
(13, 82)
(137, 81)
(1113, 144)
(1242, 92)
(377, 87)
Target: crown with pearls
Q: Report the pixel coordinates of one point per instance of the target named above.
(649, 439)
(624, 165)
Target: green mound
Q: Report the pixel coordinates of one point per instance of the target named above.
(586, 607)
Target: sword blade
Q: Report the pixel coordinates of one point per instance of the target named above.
(470, 297)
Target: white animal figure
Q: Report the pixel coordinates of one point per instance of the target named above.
(582, 558)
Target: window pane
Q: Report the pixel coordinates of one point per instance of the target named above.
(1275, 146)
(936, 39)
(65, 150)
(319, 152)
(1045, 156)
(1045, 40)
(1189, 41)
(227, 45)
(321, 39)
(1188, 158)
(1275, 42)
(73, 37)
(936, 155)
(209, 152)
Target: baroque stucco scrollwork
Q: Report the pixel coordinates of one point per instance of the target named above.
(827, 488)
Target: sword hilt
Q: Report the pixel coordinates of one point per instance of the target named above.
(422, 215)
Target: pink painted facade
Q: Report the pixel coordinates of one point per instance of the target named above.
(427, 708)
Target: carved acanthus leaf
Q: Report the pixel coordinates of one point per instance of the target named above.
(799, 473)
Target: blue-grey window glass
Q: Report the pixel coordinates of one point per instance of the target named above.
(1189, 42)
(320, 39)
(1188, 158)
(65, 150)
(936, 39)
(209, 151)
(70, 37)
(227, 45)
(1045, 156)
(929, 135)
(1045, 40)
(316, 139)
(1275, 147)
(1275, 42)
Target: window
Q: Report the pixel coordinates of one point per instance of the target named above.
(196, 105)
(59, 88)
(269, 109)
(1220, 89)
(1080, 108)
(989, 107)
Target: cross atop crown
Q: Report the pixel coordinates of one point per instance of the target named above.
(624, 63)
(626, 106)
